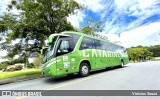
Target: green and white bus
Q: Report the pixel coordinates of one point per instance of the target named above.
(73, 52)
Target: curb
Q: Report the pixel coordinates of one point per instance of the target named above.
(20, 78)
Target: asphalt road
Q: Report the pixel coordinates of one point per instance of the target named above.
(134, 76)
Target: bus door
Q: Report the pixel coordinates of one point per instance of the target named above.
(63, 56)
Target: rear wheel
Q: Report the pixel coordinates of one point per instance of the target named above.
(84, 70)
(122, 64)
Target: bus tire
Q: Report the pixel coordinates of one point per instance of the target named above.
(122, 64)
(84, 70)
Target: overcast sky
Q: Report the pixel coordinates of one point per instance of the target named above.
(133, 22)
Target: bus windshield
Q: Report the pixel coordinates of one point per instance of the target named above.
(50, 51)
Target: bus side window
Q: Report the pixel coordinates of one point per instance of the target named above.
(74, 40)
(124, 50)
(87, 43)
(114, 48)
(108, 46)
(97, 44)
(103, 46)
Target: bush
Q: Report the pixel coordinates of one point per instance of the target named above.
(31, 65)
(18, 67)
(19, 60)
(3, 66)
(38, 61)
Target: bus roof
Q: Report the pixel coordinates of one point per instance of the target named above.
(52, 35)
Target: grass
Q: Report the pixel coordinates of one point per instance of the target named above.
(4, 75)
(155, 59)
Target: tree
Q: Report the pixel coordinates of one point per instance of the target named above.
(40, 18)
(90, 27)
(37, 19)
(7, 22)
(139, 53)
(155, 50)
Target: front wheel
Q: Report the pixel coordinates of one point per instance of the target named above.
(84, 70)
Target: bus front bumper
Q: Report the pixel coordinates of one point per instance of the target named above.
(51, 71)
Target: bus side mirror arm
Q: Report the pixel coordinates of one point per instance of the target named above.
(43, 50)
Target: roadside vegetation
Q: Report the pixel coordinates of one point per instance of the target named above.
(35, 64)
(4, 75)
(143, 53)
(3, 65)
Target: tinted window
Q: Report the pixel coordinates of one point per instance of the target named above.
(103, 45)
(87, 43)
(118, 48)
(108, 46)
(97, 44)
(74, 39)
(123, 49)
(100, 45)
(114, 48)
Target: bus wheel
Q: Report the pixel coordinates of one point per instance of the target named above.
(84, 70)
(122, 64)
